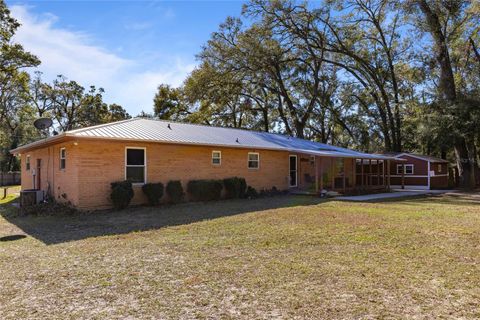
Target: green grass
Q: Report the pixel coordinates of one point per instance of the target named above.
(290, 257)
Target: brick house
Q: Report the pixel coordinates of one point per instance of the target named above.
(78, 166)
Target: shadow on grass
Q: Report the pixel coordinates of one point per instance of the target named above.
(56, 229)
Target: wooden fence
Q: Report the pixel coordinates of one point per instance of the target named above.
(10, 178)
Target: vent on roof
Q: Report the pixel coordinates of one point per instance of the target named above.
(237, 141)
(168, 126)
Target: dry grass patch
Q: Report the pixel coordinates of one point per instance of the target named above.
(283, 257)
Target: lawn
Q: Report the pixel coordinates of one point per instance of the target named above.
(290, 257)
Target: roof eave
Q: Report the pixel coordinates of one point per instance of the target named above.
(39, 143)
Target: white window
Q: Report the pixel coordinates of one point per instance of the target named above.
(216, 157)
(408, 168)
(135, 165)
(253, 160)
(27, 163)
(63, 158)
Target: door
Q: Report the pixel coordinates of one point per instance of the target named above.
(293, 170)
(39, 174)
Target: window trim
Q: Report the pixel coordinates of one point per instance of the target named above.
(258, 160)
(63, 158)
(406, 165)
(27, 163)
(137, 166)
(219, 158)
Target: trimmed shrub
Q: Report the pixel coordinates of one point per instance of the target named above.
(154, 192)
(235, 187)
(251, 193)
(122, 194)
(175, 191)
(205, 190)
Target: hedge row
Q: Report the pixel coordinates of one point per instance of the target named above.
(198, 190)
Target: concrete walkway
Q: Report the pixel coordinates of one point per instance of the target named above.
(396, 193)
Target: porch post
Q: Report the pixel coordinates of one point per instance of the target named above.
(378, 172)
(362, 171)
(370, 171)
(332, 170)
(403, 176)
(344, 176)
(354, 173)
(321, 175)
(388, 174)
(316, 174)
(383, 169)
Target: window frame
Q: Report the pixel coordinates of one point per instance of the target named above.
(409, 165)
(137, 166)
(27, 163)
(219, 158)
(258, 160)
(64, 158)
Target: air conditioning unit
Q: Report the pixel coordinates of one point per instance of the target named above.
(30, 197)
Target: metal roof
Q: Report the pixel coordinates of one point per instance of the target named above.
(141, 129)
(398, 155)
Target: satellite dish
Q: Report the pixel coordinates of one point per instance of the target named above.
(43, 123)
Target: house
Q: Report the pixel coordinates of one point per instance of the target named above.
(415, 171)
(78, 166)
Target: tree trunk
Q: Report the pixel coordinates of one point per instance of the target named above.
(464, 164)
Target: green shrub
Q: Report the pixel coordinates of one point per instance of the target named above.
(122, 194)
(251, 193)
(235, 187)
(154, 192)
(205, 190)
(175, 191)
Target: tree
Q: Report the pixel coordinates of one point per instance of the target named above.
(447, 24)
(168, 103)
(14, 112)
(73, 107)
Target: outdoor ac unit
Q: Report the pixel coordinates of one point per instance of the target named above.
(31, 197)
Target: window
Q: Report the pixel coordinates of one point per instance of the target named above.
(135, 165)
(216, 157)
(408, 168)
(253, 160)
(440, 168)
(27, 163)
(63, 157)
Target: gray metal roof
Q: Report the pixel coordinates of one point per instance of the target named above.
(398, 155)
(141, 129)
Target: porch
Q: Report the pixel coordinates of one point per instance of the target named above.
(315, 174)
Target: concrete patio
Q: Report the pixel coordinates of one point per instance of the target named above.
(396, 193)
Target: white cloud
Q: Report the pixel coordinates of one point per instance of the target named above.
(129, 82)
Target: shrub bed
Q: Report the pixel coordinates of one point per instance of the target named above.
(251, 193)
(235, 187)
(122, 194)
(175, 191)
(154, 192)
(205, 190)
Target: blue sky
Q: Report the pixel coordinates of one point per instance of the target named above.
(126, 47)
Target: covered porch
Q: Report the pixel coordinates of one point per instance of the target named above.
(322, 172)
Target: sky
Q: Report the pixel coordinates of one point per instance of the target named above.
(126, 47)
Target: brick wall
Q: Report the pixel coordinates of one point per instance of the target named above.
(101, 162)
(59, 183)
